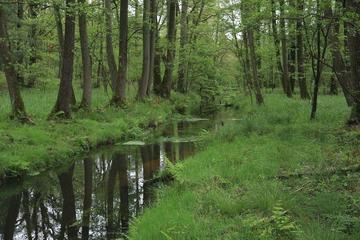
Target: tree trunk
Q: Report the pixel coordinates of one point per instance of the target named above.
(120, 88)
(284, 51)
(18, 108)
(20, 55)
(170, 55)
(59, 29)
(276, 40)
(153, 35)
(338, 63)
(182, 72)
(353, 39)
(144, 80)
(109, 43)
(157, 63)
(65, 96)
(292, 52)
(33, 43)
(85, 56)
(259, 98)
(304, 94)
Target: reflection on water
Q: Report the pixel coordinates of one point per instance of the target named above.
(94, 198)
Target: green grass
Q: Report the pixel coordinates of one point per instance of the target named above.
(230, 189)
(27, 149)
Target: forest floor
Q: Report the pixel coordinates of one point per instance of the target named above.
(30, 149)
(272, 175)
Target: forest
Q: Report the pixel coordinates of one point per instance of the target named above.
(180, 119)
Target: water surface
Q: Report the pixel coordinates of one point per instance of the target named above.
(95, 197)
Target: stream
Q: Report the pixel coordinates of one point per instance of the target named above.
(97, 196)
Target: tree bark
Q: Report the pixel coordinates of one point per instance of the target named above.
(120, 84)
(170, 55)
(144, 80)
(253, 62)
(65, 96)
(20, 55)
(276, 40)
(182, 72)
(284, 51)
(109, 43)
(59, 30)
(33, 42)
(353, 38)
(157, 63)
(153, 35)
(85, 56)
(304, 94)
(18, 108)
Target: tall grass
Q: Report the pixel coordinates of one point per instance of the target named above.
(230, 190)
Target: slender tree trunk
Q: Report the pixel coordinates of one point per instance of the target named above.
(170, 56)
(259, 98)
(292, 51)
(109, 43)
(62, 106)
(85, 56)
(284, 50)
(144, 80)
(182, 72)
(59, 30)
(18, 108)
(304, 94)
(120, 84)
(153, 30)
(338, 63)
(276, 40)
(20, 55)
(157, 64)
(33, 42)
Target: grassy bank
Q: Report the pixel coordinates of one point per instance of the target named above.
(29, 149)
(232, 189)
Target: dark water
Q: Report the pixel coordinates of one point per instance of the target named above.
(95, 197)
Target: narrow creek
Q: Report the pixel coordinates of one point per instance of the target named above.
(97, 196)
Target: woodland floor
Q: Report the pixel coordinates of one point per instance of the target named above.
(247, 181)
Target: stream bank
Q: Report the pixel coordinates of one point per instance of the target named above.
(231, 189)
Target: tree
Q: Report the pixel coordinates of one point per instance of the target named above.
(144, 80)
(18, 108)
(109, 43)
(353, 37)
(284, 51)
(62, 106)
(304, 94)
(182, 72)
(170, 54)
(85, 56)
(120, 84)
